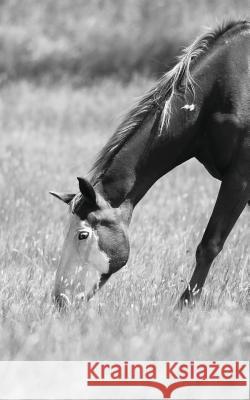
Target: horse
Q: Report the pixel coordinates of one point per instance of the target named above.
(198, 109)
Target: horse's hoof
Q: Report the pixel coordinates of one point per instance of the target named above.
(184, 303)
(187, 300)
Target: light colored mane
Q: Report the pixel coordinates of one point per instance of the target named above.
(161, 96)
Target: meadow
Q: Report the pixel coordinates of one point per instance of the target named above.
(50, 135)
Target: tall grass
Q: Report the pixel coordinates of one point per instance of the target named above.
(50, 136)
(83, 39)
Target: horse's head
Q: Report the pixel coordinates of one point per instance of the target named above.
(95, 246)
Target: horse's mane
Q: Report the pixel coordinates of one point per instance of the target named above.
(161, 96)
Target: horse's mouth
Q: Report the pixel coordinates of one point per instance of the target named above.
(77, 292)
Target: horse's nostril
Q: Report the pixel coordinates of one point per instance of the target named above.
(62, 301)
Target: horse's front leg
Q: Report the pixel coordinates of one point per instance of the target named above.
(232, 198)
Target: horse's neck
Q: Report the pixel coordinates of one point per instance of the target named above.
(146, 156)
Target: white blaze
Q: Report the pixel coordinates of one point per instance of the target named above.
(188, 107)
(82, 262)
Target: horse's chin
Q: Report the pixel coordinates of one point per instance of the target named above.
(92, 281)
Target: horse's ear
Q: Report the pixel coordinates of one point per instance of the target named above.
(87, 190)
(65, 197)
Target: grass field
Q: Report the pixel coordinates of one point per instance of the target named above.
(48, 137)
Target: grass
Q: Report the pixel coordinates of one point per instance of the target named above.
(48, 137)
(81, 40)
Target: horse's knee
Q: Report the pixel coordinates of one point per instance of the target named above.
(207, 251)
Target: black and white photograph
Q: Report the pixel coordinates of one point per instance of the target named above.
(125, 195)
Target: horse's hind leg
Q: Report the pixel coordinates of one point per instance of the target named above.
(232, 198)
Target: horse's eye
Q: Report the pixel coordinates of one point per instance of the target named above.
(83, 235)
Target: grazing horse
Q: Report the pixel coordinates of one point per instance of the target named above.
(200, 108)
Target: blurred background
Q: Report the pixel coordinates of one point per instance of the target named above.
(81, 40)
